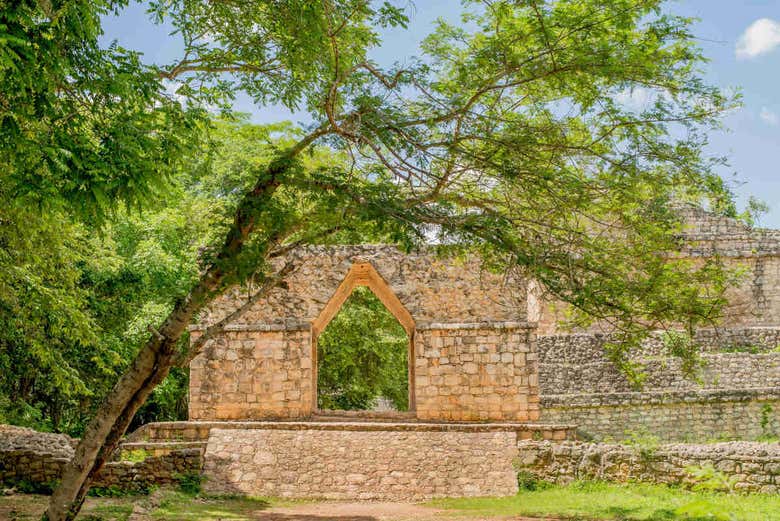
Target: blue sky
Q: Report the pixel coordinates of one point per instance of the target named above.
(740, 37)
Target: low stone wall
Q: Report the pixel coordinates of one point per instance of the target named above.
(361, 464)
(39, 458)
(583, 347)
(737, 358)
(674, 416)
(753, 467)
(153, 471)
(34, 457)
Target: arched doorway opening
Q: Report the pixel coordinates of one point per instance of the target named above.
(362, 294)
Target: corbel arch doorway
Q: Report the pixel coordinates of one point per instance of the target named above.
(364, 274)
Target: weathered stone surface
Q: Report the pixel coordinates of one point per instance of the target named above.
(736, 394)
(431, 288)
(36, 457)
(752, 466)
(471, 354)
(360, 464)
(485, 373)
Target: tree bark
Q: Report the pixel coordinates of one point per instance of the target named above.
(158, 355)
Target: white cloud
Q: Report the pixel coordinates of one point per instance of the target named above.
(760, 37)
(636, 98)
(171, 87)
(769, 117)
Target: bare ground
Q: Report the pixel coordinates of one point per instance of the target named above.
(366, 511)
(29, 507)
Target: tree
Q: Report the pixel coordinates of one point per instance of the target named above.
(362, 356)
(508, 137)
(81, 129)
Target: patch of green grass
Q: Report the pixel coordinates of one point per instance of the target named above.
(135, 455)
(184, 507)
(109, 512)
(628, 502)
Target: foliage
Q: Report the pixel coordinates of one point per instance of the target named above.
(190, 483)
(135, 455)
(707, 477)
(767, 422)
(526, 481)
(507, 137)
(682, 346)
(623, 502)
(117, 491)
(362, 355)
(26, 486)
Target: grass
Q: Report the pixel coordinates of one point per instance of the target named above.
(629, 502)
(180, 506)
(30, 507)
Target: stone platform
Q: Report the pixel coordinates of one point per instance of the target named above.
(345, 458)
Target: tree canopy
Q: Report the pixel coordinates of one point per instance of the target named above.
(507, 135)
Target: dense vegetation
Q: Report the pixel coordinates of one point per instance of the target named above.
(126, 208)
(362, 356)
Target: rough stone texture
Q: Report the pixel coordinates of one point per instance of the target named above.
(431, 288)
(153, 471)
(253, 374)
(681, 416)
(737, 393)
(736, 358)
(476, 374)
(263, 367)
(359, 464)
(755, 467)
(38, 458)
(755, 302)
(190, 432)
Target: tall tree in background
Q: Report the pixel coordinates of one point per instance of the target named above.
(507, 136)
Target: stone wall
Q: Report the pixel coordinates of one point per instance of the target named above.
(35, 457)
(360, 464)
(680, 416)
(754, 251)
(736, 393)
(753, 467)
(476, 372)
(432, 288)
(472, 352)
(39, 458)
(733, 358)
(261, 373)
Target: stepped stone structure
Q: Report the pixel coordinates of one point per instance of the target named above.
(737, 393)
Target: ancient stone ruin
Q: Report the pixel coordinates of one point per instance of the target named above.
(471, 350)
(494, 383)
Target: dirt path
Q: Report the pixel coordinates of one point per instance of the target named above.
(366, 511)
(29, 507)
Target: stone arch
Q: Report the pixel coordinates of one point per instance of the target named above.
(364, 274)
(472, 348)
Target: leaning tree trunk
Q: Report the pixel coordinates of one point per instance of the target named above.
(158, 355)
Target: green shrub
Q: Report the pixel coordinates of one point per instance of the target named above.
(189, 483)
(529, 482)
(27, 486)
(117, 491)
(708, 478)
